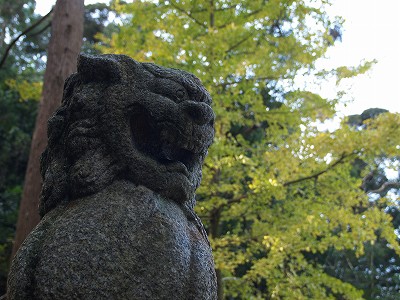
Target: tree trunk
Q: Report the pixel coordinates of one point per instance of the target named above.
(220, 285)
(214, 232)
(63, 50)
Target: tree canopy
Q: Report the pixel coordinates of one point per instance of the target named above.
(278, 194)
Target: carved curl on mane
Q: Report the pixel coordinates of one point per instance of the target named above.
(74, 141)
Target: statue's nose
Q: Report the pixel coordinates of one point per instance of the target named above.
(200, 112)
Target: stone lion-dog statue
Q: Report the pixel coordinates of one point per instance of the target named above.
(123, 161)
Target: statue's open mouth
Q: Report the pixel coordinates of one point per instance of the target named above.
(163, 142)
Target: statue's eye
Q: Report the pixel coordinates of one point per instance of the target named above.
(180, 94)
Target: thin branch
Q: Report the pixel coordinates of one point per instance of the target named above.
(316, 175)
(245, 53)
(228, 201)
(41, 30)
(246, 16)
(384, 188)
(239, 43)
(351, 267)
(236, 200)
(212, 16)
(196, 11)
(33, 26)
(187, 14)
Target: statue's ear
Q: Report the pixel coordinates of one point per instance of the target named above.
(101, 68)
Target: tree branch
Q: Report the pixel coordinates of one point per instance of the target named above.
(317, 174)
(33, 26)
(41, 30)
(239, 43)
(236, 200)
(246, 16)
(384, 188)
(196, 11)
(187, 14)
(212, 16)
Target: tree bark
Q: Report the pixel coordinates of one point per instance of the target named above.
(63, 50)
(214, 232)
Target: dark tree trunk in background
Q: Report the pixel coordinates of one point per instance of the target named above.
(214, 228)
(63, 50)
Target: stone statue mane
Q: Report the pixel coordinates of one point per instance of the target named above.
(120, 171)
(128, 120)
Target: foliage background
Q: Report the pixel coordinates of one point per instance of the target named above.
(292, 211)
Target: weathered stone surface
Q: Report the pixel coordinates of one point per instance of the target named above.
(120, 172)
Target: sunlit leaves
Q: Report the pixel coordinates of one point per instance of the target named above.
(346, 72)
(27, 90)
(276, 191)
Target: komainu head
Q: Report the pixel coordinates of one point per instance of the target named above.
(125, 120)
